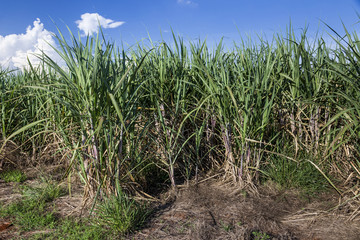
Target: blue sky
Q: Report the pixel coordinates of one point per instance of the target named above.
(129, 21)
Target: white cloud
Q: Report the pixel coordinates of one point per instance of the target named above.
(16, 49)
(90, 22)
(187, 2)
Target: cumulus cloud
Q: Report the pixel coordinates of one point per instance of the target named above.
(90, 22)
(16, 49)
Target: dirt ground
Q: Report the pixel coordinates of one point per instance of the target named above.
(217, 210)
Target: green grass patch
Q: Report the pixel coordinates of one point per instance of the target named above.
(13, 176)
(29, 214)
(115, 216)
(49, 191)
(70, 228)
(33, 210)
(121, 214)
(302, 175)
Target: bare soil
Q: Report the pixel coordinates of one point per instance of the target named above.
(215, 209)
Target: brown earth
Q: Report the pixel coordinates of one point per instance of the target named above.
(215, 209)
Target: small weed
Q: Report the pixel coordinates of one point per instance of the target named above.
(47, 193)
(226, 226)
(259, 235)
(244, 193)
(13, 176)
(121, 214)
(187, 225)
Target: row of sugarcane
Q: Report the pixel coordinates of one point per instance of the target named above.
(120, 118)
